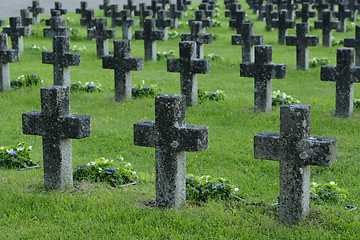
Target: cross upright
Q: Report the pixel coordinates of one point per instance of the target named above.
(290, 6)
(106, 7)
(181, 5)
(263, 70)
(172, 138)
(6, 56)
(174, 15)
(154, 7)
(162, 23)
(353, 6)
(247, 40)
(229, 2)
(302, 41)
(296, 150)
(258, 6)
(354, 43)
(89, 19)
(342, 14)
(57, 26)
(344, 74)
(58, 7)
(102, 36)
(57, 126)
(188, 66)
(282, 24)
(126, 22)
(326, 24)
(130, 6)
(35, 9)
(198, 34)
(232, 10)
(143, 13)
(200, 16)
(305, 14)
(320, 6)
(26, 20)
(164, 4)
(123, 64)
(114, 14)
(236, 23)
(270, 14)
(82, 9)
(16, 33)
(149, 35)
(61, 59)
(208, 10)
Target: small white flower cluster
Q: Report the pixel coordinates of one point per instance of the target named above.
(78, 49)
(34, 47)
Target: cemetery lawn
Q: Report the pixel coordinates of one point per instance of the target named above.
(97, 211)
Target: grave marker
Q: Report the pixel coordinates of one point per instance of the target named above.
(16, 33)
(89, 20)
(305, 14)
(208, 9)
(106, 7)
(102, 35)
(200, 16)
(154, 8)
(35, 9)
(57, 26)
(320, 6)
(143, 13)
(354, 43)
(198, 34)
(342, 14)
(126, 22)
(326, 25)
(240, 17)
(282, 24)
(232, 10)
(6, 56)
(162, 23)
(25, 19)
(130, 6)
(174, 15)
(82, 10)
(114, 14)
(58, 7)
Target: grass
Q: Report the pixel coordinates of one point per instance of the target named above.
(28, 211)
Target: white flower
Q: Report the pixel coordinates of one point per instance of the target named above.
(143, 81)
(20, 149)
(106, 161)
(2, 148)
(88, 164)
(9, 150)
(314, 184)
(134, 173)
(332, 183)
(93, 163)
(100, 169)
(236, 189)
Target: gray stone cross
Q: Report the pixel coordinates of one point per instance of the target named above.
(320, 6)
(270, 14)
(236, 23)
(305, 14)
(88, 20)
(102, 36)
(354, 43)
(58, 7)
(302, 41)
(130, 6)
(61, 59)
(36, 10)
(174, 15)
(106, 7)
(263, 70)
(344, 74)
(172, 138)
(162, 23)
(188, 66)
(282, 24)
(200, 16)
(57, 127)
(326, 25)
(26, 20)
(6, 56)
(296, 150)
(57, 26)
(143, 13)
(353, 6)
(16, 33)
(164, 4)
(154, 7)
(208, 9)
(342, 14)
(149, 35)
(123, 64)
(181, 5)
(114, 14)
(247, 40)
(232, 10)
(82, 10)
(126, 22)
(198, 34)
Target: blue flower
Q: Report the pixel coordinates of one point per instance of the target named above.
(74, 83)
(133, 88)
(194, 190)
(35, 75)
(213, 93)
(146, 87)
(313, 196)
(327, 195)
(91, 86)
(79, 168)
(324, 61)
(16, 80)
(206, 190)
(199, 185)
(12, 153)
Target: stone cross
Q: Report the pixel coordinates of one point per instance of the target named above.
(164, 4)
(326, 25)
(302, 41)
(172, 138)
(305, 14)
(353, 6)
(258, 6)
(188, 66)
(208, 10)
(16, 33)
(26, 20)
(354, 43)
(6, 56)
(174, 15)
(106, 7)
(114, 14)
(229, 2)
(143, 13)
(342, 14)
(199, 36)
(270, 14)
(344, 74)
(57, 26)
(57, 127)
(149, 35)
(263, 70)
(102, 36)
(181, 5)
(282, 24)
(36, 10)
(58, 7)
(82, 10)
(320, 6)
(200, 16)
(126, 22)
(290, 6)
(332, 4)
(89, 19)
(296, 150)
(61, 59)
(154, 8)
(236, 23)
(162, 23)
(123, 64)
(247, 40)
(130, 6)
(232, 10)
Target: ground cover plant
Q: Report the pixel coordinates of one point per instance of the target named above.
(95, 210)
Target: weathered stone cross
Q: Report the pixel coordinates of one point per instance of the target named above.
(174, 15)
(282, 24)
(270, 14)
(162, 23)
(320, 6)
(326, 25)
(262, 70)
(208, 9)
(36, 10)
(236, 23)
(58, 7)
(88, 20)
(199, 36)
(296, 150)
(123, 64)
(6, 56)
(26, 20)
(57, 127)
(143, 13)
(102, 36)
(232, 10)
(305, 14)
(188, 66)
(106, 7)
(114, 14)
(171, 138)
(82, 10)
(16, 33)
(200, 16)
(126, 22)
(342, 14)
(354, 43)
(57, 26)
(154, 7)
(130, 6)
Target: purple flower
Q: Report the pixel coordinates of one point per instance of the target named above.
(146, 87)
(12, 153)
(216, 55)
(324, 61)
(194, 190)
(16, 80)
(213, 94)
(80, 168)
(35, 75)
(199, 185)
(282, 99)
(111, 169)
(91, 86)
(313, 196)
(327, 195)
(74, 83)
(206, 190)
(133, 88)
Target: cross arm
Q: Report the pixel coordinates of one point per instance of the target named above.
(201, 66)
(277, 71)
(9, 55)
(110, 33)
(193, 138)
(318, 24)
(48, 58)
(139, 34)
(319, 151)
(186, 37)
(275, 23)
(247, 69)
(72, 59)
(356, 74)
(157, 35)
(236, 39)
(350, 42)
(291, 40)
(290, 24)
(134, 64)
(205, 39)
(108, 61)
(334, 24)
(75, 126)
(328, 73)
(174, 65)
(257, 39)
(32, 123)
(312, 41)
(267, 146)
(145, 134)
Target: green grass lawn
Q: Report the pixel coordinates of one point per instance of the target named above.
(96, 211)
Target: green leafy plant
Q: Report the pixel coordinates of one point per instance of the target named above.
(26, 80)
(79, 49)
(87, 87)
(173, 34)
(104, 170)
(204, 96)
(357, 103)
(141, 90)
(216, 23)
(16, 157)
(327, 193)
(318, 62)
(206, 187)
(279, 98)
(75, 34)
(337, 42)
(214, 57)
(165, 55)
